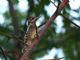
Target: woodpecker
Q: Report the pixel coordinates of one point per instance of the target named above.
(31, 31)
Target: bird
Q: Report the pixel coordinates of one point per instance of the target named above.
(31, 31)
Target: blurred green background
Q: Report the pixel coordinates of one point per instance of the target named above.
(61, 35)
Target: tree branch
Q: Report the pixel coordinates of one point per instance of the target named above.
(14, 17)
(52, 18)
(70, 20)
(29, 49)
(15, 27)
(66, 17)
(3, 53)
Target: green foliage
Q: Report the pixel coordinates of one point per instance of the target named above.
(15, 1)
(68, 41)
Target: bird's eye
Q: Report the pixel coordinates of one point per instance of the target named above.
(32, 18)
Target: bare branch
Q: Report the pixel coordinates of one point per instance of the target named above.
(66, 17)
(70, 21)
(26, 55)
(52, 18)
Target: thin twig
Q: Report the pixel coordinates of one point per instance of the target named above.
(65, 16)
(70, 21)
(3, 53)
(58, 58)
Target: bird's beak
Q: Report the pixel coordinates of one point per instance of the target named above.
(37, 17)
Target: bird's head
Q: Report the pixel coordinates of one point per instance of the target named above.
(32, 19)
